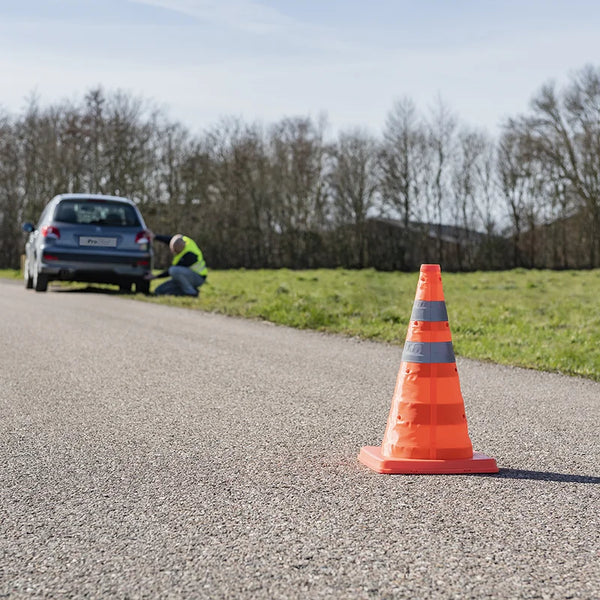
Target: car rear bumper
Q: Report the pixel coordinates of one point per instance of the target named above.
(109, 268)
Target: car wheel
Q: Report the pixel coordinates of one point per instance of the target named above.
(40, 281)
(125, 288)
(142, 286)
(28, 277)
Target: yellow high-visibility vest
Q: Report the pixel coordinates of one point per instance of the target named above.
(190, 246)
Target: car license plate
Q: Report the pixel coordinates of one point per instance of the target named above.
(99, 242)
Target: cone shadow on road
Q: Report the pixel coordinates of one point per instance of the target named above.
(544, 476)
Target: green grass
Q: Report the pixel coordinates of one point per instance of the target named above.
(544, 320)
(10, 274)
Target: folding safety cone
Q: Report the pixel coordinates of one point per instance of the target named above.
(427, 428)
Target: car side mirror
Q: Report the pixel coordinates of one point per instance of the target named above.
(28, 227)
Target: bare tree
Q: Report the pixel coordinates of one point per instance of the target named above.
(519, 180)
(442, 128)
(93, 134)
(488, 210)
(402, 161)
(38, 134)
(463, 191)
(298, 171)
(11, 202)
(354, 184)
(129, 151)
(563, 130)
(231, 171)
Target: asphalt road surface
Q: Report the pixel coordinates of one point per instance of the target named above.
(154, 452)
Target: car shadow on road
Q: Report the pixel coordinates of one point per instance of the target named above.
(545, 476)
(90, 289)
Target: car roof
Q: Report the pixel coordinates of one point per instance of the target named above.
(62, 197)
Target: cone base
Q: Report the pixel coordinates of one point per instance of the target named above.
(371, 457)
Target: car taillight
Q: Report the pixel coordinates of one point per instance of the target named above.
(50, 257)
(141, 237)
(142, 263)
(50, 230)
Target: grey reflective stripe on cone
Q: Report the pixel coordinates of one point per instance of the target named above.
(428, 352)
(429, 310)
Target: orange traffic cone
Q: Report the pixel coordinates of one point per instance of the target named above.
(427, 428)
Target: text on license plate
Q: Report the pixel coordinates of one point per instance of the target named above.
(102, 242)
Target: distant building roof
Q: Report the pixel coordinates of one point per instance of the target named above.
(447, 233)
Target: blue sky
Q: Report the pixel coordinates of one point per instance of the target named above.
(263, 60)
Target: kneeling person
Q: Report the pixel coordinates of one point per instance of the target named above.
(188, 270)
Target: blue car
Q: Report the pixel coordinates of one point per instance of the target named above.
(88, 238)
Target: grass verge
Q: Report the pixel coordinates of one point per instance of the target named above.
(545, 320)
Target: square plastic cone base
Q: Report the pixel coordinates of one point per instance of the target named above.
(372, 457)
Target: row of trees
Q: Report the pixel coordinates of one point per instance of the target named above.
(287, 194)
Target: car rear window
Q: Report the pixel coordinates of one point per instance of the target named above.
(90, 212)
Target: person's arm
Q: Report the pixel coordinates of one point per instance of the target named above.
(165, 239)
(187, 260)
(161, 275)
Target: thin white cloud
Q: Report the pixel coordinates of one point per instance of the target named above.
(254, 18)
(244, 15)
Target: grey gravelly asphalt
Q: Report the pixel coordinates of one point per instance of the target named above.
(153, 452)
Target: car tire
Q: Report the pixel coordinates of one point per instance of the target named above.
(125, 288)
(28, 277)
(40, 282)
(142, 286)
